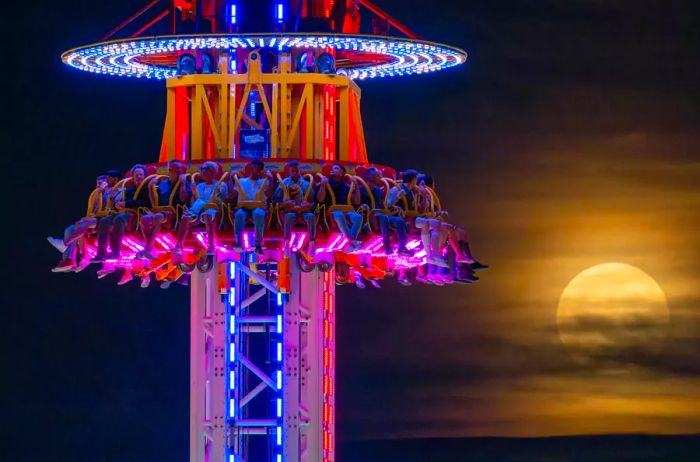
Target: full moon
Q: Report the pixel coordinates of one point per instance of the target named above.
(612, 314)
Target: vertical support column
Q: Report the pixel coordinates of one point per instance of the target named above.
(344, 124)
(207, 366)
(328, 367)
(196, 123)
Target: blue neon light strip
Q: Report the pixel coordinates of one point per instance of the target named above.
(404, 56)
(279, 323)
(233, 18)
(280, 13)
(279, 352)
(279, 407)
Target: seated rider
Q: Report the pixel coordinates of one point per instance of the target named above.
(112, 226)
(435, 232)
(204, 208)
(73, 234)
(151, 222)
(252, 194)
(291, 194)
(341, 190)
(401, 199)
(386, 222)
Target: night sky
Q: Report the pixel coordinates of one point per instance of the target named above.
(568, 139)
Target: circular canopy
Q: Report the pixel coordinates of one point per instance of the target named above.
(357, 56)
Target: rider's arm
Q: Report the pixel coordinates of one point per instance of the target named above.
(355, 198)
(321, 194)
(393, 197)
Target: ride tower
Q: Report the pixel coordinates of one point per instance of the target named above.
(275, 80)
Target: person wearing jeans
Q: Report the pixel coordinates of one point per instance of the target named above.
(252, 194)
(341, 190)
(386, 222)
(292, 195)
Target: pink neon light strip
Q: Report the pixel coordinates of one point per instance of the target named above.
(368, 245)
(169, 240)
(246, 242)
(412, 244)
(201, 238)
(300, 244)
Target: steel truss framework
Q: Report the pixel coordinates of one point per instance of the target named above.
(262, 365)
(303, 112)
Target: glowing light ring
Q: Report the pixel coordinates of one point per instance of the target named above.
(121, 57)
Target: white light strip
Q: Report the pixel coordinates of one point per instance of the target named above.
(404, 56)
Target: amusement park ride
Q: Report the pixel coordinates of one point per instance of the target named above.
(263, 319)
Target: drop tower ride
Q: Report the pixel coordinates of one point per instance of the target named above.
(275, 80)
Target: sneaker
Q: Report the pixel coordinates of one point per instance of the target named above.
(437, 261)
(57, 243)
(405, 252)
(237, 248)
(113, 256)
(476, 266)
(126, 277)
(165, 284)
(176, 251)
(423, 279)
(258, 249)
(311, 248)
(99, 258)
(184, 280)
(64, 266)
(436, 279)
(211, 251)
(404, 281)
(354, 245)
(145, 255)
(145, 281)
(375, 283)
(84, 263)
(105, 272)
(463, 259)
(465, 276)
(359, 281)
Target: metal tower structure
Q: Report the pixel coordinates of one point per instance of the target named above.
(275, 80)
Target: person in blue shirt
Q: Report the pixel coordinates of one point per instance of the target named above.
(111, 228)
(151, 222)
(373, 178)
(341, 190)
(292, 196)
(73, 235)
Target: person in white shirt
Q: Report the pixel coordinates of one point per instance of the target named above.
(205, 206)
(252, 194)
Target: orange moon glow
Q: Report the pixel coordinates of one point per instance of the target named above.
(610, 312)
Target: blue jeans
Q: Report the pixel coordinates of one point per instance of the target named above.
(291, 217)
(349, 231)
(239, 219)
(70, 248)
(112, 227)
(386, 222)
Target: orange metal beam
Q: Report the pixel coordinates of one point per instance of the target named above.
(393, 21)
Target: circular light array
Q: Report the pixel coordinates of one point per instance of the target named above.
(400, 56)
